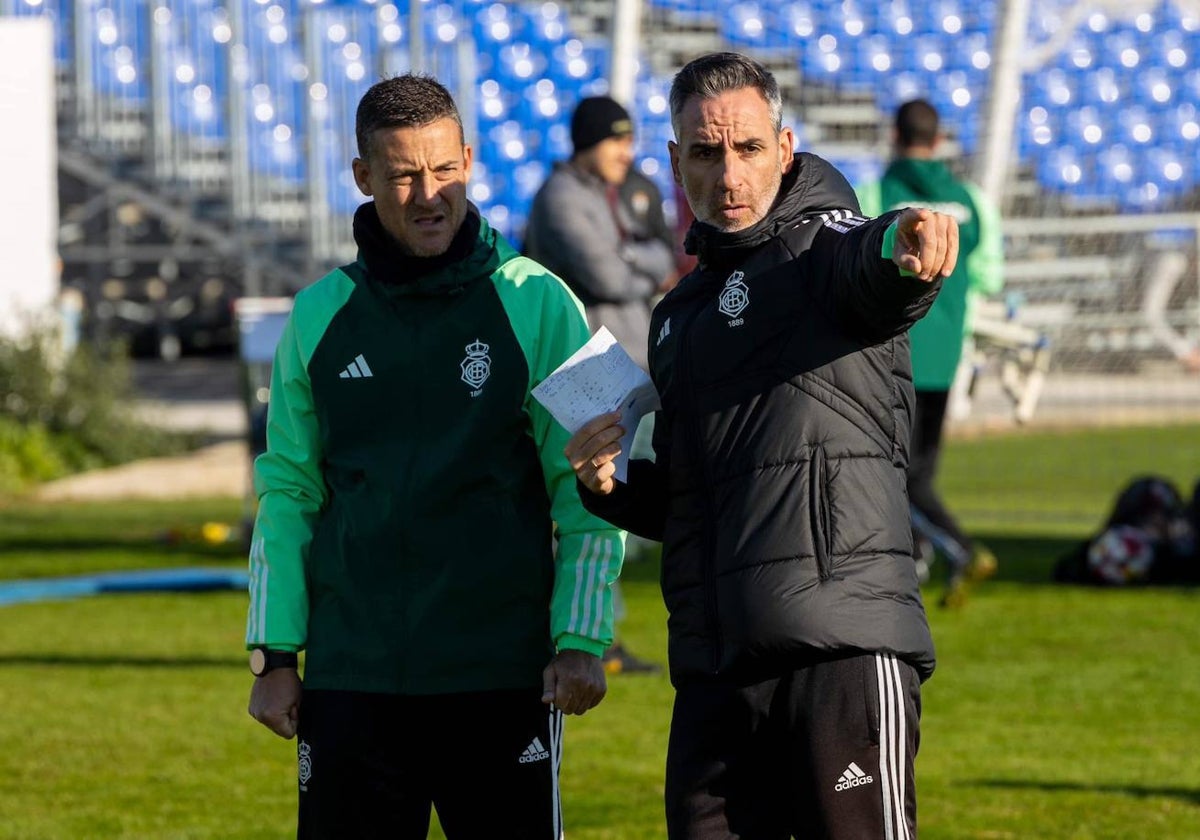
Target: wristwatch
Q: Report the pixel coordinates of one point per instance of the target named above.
(264, 660)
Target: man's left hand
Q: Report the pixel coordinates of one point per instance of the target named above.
(926, 243)
(574, 682)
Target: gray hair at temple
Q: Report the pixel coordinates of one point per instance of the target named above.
(711, 75)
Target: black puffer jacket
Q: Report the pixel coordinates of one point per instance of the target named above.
(778, 490)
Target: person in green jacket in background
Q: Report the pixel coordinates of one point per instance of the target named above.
(917, 178)
(419, 535)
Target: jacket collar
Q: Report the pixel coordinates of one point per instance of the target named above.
(472, 253)
(812, 185)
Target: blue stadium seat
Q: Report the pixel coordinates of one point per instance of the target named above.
(195, 40)
(687, 10)
(1127, 78)
(120, 46)
(334, 87)
(1040, 128)
(753, 25)
(495, 102)
(274, 87)
(873, 60)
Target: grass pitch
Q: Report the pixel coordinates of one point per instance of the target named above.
(1056, 712)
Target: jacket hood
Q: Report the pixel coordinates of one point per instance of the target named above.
(919, 177)
(812, 185)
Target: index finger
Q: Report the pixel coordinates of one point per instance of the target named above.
(911, 217)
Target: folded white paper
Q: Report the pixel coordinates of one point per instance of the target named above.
(598, 378)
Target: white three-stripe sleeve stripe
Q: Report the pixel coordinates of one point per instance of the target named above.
(892, 746)
(585, 623)
(573, 622)
(555, 726)
(259, 574)
(252, 591)
(601, 588)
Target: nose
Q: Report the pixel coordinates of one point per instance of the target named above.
(426, 192)
(731, 171)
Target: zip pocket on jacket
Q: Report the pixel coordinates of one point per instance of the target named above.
(819, 513)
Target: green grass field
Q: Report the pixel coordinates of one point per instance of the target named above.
(1056, 712)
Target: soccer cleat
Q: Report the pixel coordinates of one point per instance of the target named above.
(617, 660)
(955, 596)
(983, 564)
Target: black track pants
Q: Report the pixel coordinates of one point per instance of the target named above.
(372, 765)
(824, 752)
(923, 457)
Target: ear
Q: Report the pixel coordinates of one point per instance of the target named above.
(362, 176)
(787, 148)
(468, 158)
(673, 151)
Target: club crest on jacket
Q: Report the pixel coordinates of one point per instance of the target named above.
(735, 297)
(476, 367)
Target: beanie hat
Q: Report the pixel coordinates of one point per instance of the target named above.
(598, 118)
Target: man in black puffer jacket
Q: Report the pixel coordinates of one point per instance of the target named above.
(798, 639)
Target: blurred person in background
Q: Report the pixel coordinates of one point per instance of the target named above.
(409, 498)
(598, 224)
(916, 177)
(1166, 273)
(798, 640)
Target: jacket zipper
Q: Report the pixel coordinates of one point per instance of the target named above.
(691, 429)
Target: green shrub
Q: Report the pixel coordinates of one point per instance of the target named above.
(28, 454)
(65, 415)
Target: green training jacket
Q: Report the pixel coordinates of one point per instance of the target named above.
(937, 338)
(403, 536)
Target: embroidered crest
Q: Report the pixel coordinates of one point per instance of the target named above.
(476, 367)
(735, 297)
(305, 753)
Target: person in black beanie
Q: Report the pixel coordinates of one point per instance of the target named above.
(598, 224)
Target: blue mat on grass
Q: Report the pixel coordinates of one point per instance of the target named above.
(145, 580)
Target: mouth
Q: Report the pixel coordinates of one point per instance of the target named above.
(429, 222)
(733, 212)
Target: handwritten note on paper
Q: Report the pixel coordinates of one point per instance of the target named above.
(598, 378)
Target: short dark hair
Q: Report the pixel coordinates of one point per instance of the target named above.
(410, 100)
(916, 125)
(711, 75)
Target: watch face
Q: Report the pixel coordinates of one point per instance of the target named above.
(258, 661)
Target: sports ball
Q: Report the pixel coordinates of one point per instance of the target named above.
(1123, 554)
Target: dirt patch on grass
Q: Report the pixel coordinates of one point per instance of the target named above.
(220, 470)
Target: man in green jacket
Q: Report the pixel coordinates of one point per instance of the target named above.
(409, 502)
(916, 178)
